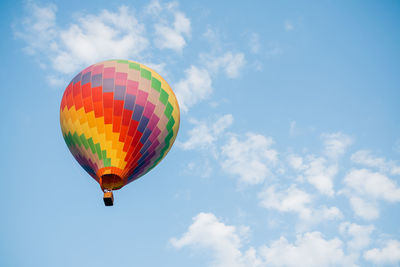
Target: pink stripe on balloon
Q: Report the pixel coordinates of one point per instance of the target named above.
(109, 73)
(120, 78)
(141, 98)
(98, 69)
(131, 87)
(153, 145)
(154, 135)
(88, 69)
(153, 122)
(149, 109)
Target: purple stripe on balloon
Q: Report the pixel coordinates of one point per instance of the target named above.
(77, 78)
(86, 78)
(129, 101)
(145, 147)
(142, 158)
(119, 92)
(145, 135)
(145, 162)
(108, 85)
(143, 123)
(137, 112)
(97, 80)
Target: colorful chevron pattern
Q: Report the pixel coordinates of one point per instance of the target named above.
(120, 118)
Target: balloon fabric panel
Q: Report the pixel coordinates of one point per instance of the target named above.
(119, 117)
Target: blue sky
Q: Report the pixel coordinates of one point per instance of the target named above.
(287, 155)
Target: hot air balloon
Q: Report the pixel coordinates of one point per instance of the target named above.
(119, 119)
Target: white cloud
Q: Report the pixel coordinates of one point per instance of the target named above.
(169, 34)
(290, 200)
(196, 86)
(55, 81)
(154, 8)
(320, 175)
(250, 159)
(230, 63)
(207, 232)
(366, 158)
(372, 184)
(365, 209)
(225, 244)
(107, 34)
(39, 28)
(201, 168)
(316, 171)
(336, 144)
(364, 188)
(173, 36)
(390, 254)
(89, 39)
(326, 213)
(360, 235)
(310, 249)
(296, 162)
(297, 201)
(203, 135)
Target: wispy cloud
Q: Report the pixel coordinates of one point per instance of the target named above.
(204, 135)
(94, 37)
(173, 36)
(295, 200)
(315, 170)
(336, 144)
(366, 209)
(365, 188)
(250, 158)
(89, 39)
(195, 87)
(389, 254)
(372, 184)
(360, 235)
(366, 158)
(230, 63)
(224, 241)
(309, 249)
(225, 244)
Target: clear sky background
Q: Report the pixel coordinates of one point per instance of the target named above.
(288, 151)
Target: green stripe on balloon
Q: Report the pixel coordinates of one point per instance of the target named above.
(79, 141)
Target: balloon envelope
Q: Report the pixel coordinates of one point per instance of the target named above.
(119, 119)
